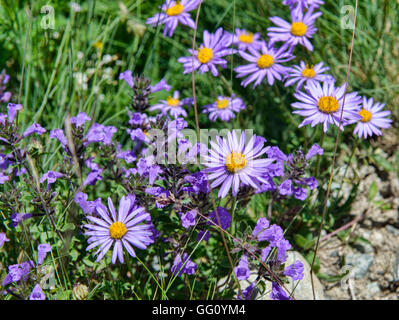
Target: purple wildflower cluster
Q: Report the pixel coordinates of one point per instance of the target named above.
(268, 242)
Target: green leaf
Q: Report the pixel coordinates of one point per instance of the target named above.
(332, 278)
(373, 191)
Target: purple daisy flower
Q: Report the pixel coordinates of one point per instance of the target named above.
(266, 63)
(306, 74)
(121, 230)
(231, 162)
(210, 53)
(324, 105)
(298, 32)
(173, 105)
(224, 108)
(173, 13)
(244, 40)
(373, 118)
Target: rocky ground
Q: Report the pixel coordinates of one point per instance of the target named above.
(372, 261)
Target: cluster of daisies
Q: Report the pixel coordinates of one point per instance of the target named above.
(236, 165)
(320, 102)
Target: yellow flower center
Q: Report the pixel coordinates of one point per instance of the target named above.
(175, 10)
(117, 230)
(222, 104)
(366, 115)
(309, 72)
(205, 55)
(265, 61)
(328, 104)
(235, 162)
(247, 38)
(298, 29)
(173, 102)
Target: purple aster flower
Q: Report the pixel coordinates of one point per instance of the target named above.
(80, 119)
(278, 293)
(186, 266)
(3, 178)
(188, 218)
(16, 218)
(295, 270)
(224, 108)
(121, 230)
(3, 238)
(34, 128)
(242, 270)
(324, 105)
(173, 105)
(231, 162)
(306, 74)
(18, 272)
(244, 40)
(37, 293)
(12, 111)
(373, 118)
(42, 251)
(298, 32)
(51, 177)
(266, 63)
(100, 133)
(173, 13)
(210, 53)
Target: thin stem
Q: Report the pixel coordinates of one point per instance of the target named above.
(334, 156)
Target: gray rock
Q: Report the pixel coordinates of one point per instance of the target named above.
(396, 269)
(360, 262)
(372, 289)
(392, 230)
